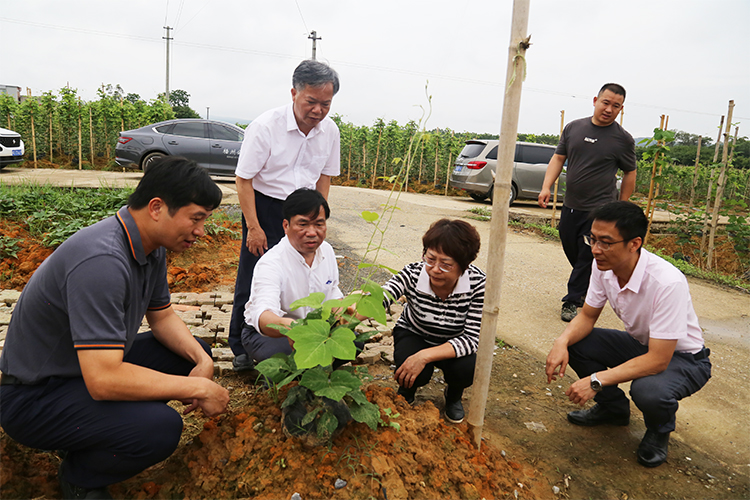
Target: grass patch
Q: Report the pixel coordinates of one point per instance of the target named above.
(55, 213)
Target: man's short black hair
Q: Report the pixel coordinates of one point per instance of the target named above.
(304, 201)
(613, 87)
(179, 182)
(628, 217)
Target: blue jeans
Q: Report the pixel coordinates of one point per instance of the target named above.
(106, 441)
(657, 395)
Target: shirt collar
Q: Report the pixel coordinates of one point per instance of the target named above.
(287, 246)
(291, 123)
(133, 235)
(463, 285)
(634, 283)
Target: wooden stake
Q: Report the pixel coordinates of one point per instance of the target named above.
(695, 174)
(349, 164)
(91, 136)
(80, 142)
(33, 133)
(519, 43)
(364, 157)
(448, 173)
(377, 155)
(658, 184)
(704, 234)
(437, 145)
(552, 221)
(720, 187)
(421, 157)
(649, 210)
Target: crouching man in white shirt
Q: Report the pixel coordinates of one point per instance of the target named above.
(302, 263)
(661, 350)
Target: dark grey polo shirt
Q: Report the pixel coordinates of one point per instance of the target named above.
(91, 293)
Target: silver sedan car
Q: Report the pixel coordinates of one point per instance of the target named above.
(212, 144)
(474, 170)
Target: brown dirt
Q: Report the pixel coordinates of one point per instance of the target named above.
(528, 446)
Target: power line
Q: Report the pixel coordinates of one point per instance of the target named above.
(303, 17)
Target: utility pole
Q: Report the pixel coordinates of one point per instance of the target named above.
(167, 38)
(314, 37)
(207, 108)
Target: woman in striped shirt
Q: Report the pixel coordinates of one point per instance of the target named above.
(439, 326)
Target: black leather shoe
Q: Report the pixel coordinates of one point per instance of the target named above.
(597, 415)
(407, 394)
(652, 452)
(71, 491)
(242, 363)
(454, 409)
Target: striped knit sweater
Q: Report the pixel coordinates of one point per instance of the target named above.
(456, 320)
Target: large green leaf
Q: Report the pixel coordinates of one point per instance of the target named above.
(314, 300)
(275, 368)
(372, 307)
(310, 344)
(310, 415)
(370, 216)
(334, 387)
(366, 412)
(341, 343)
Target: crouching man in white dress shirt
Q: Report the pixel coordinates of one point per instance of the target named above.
(302, 263)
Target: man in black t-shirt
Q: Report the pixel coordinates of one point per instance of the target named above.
(595, 148)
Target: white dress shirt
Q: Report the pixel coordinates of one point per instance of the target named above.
(280, 159)
(655, 303)
(282, 276)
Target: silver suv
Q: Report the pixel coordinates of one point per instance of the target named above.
(474, 170)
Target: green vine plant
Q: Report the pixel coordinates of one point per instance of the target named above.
(325, 399)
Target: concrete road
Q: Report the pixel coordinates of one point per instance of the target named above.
(534, 281)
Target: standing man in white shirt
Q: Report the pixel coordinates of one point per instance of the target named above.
(661, 352)
(284, 149)
(300, 264)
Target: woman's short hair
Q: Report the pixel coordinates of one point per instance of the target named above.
(457, 239)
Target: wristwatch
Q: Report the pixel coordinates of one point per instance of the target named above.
(595, 384)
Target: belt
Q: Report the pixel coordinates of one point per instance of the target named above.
(702, 354)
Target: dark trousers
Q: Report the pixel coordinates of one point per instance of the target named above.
(458, 372)
(106, 441)
(657, 395)
(574, 224)
(270, 218)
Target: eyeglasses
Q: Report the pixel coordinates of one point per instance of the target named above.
(602, 245)
(432, 262)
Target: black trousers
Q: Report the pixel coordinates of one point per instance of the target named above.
(657, 395)
(458, 372)
(271, 218)
(574, 224)
(106, 441)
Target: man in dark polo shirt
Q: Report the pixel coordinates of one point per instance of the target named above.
(76, 375)
(595, 148)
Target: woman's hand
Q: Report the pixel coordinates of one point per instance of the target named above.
(408, 372)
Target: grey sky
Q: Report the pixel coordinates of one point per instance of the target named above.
(682, 58)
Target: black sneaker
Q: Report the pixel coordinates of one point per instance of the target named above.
(407, 394)
(568, 312)
(242, 363)
(72, 492)
(597, 415)
(454, 409)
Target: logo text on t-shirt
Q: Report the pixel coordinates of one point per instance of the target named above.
(589, 139)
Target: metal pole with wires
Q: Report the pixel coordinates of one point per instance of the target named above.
(167, 38)
(313, 36)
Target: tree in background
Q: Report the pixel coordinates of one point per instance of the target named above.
(180, 101)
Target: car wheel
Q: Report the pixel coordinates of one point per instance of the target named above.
(477, 196)
(149, 159)
(513, 194)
